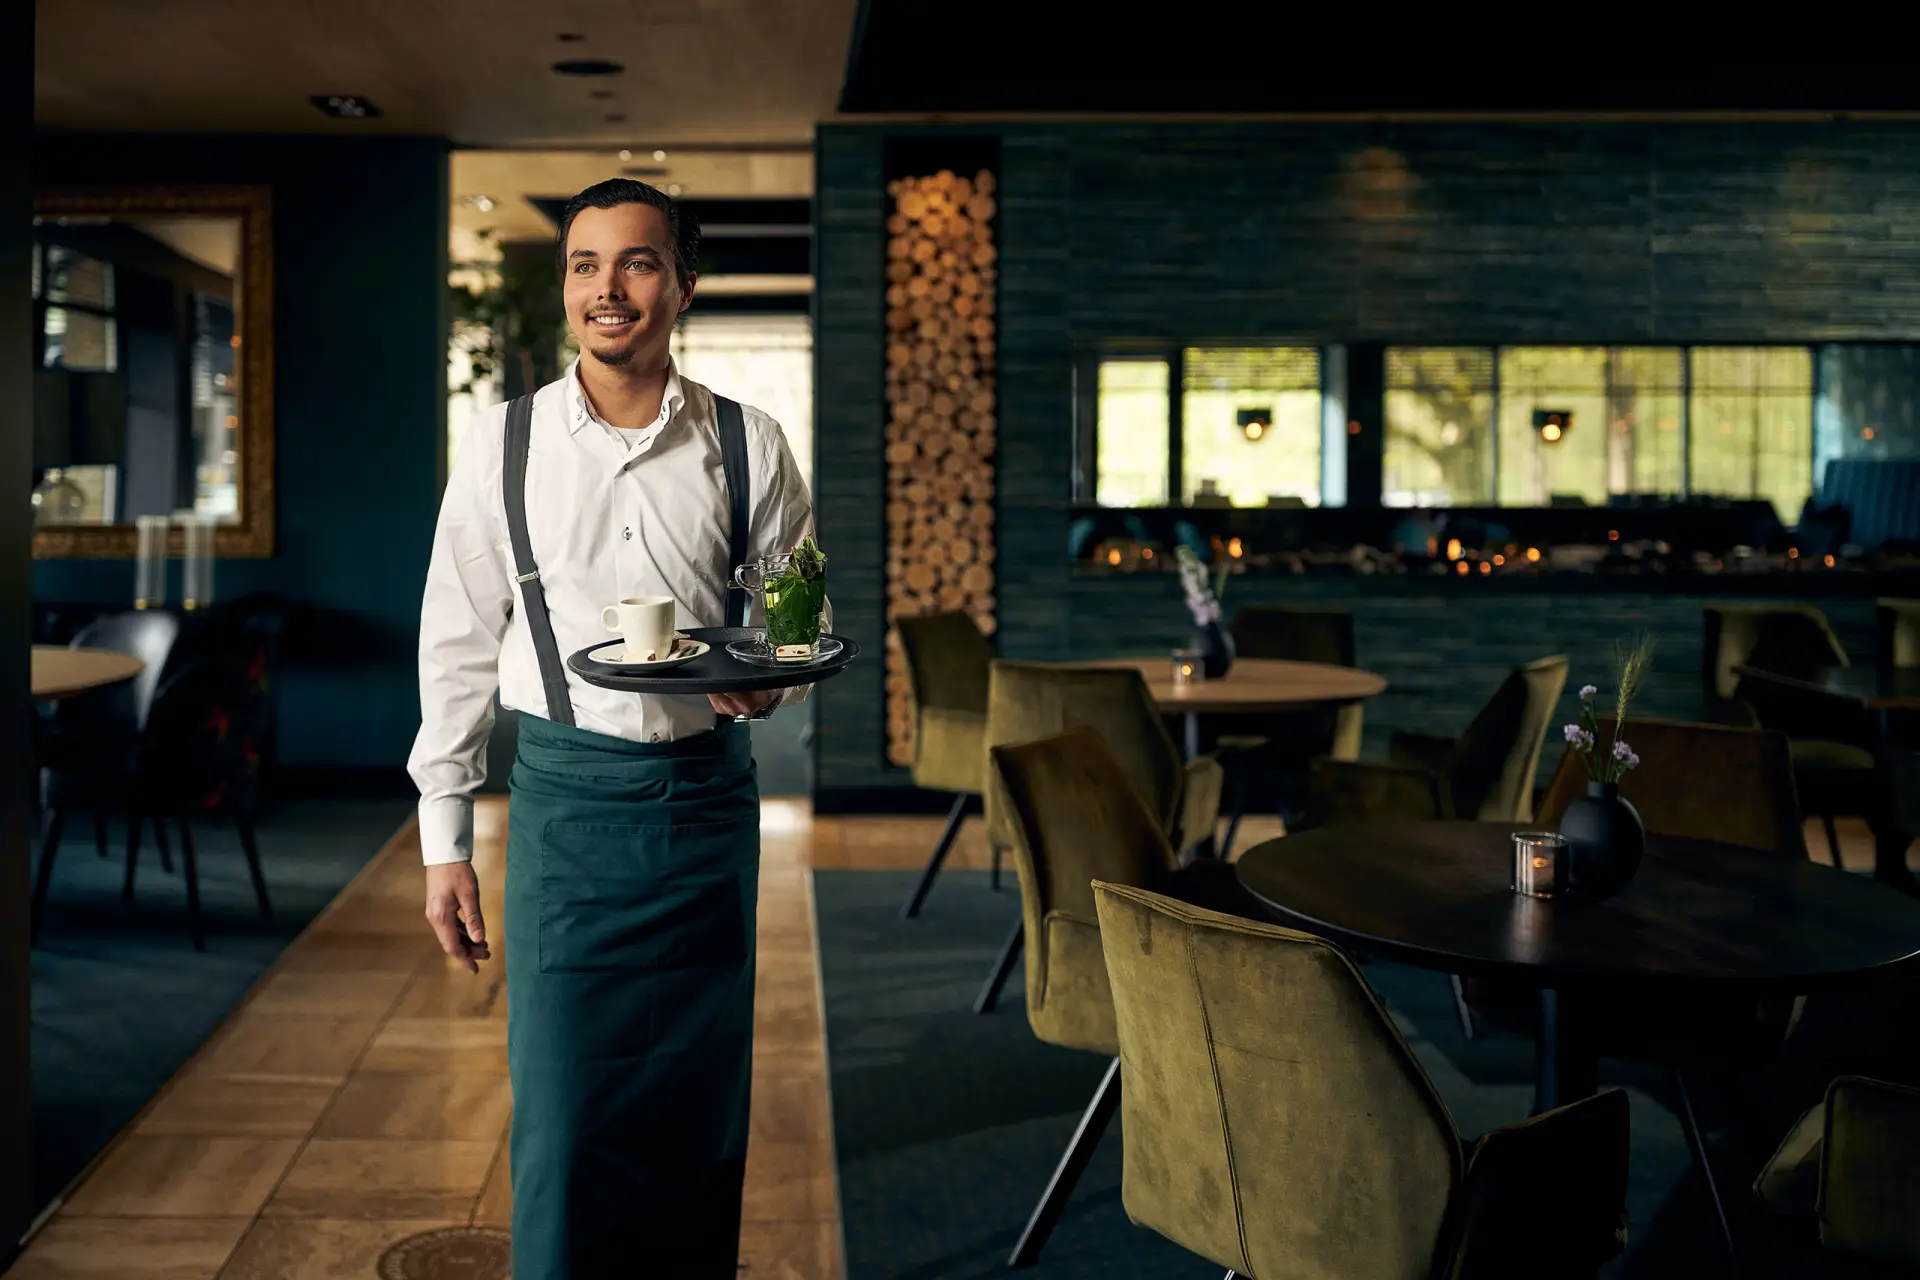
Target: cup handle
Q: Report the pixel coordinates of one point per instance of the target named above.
(610, 618)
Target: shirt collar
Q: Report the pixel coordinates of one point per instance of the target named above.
(580, 409)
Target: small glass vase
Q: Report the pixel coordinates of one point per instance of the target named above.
(1605, 840)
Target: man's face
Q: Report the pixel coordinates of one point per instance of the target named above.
(621, 292)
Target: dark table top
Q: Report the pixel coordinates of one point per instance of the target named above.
(1876, 688)
(1435, 895)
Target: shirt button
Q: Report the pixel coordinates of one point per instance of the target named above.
(627, 533)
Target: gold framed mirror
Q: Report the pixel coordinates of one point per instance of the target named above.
(153, 368)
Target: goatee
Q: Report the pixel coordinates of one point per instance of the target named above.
(614, 359)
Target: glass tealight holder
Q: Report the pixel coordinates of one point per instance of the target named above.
(1539, 864)
(1187, 668)
(150, 568)
(196, 565)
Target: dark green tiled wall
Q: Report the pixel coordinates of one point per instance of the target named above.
(1402, 233)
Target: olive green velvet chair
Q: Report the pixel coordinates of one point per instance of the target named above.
(1027, 701)
(1074, 816)
(1833, 762)
(1899, 632)
(947, 662)
(1852, 1165)
(1697, 781)
(1276, 1123)
(1486, 773)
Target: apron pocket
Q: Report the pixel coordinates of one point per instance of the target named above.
(618, 898)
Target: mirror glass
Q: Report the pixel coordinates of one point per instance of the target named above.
(136, 399)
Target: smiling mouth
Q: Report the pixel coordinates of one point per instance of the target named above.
(611, 320)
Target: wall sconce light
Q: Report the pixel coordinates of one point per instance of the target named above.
(1552, 424)
(1254, 423)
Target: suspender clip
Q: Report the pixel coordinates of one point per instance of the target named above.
(528, 577)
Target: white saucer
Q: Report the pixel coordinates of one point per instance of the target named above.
(613, 655)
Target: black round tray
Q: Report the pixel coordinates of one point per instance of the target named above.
(715, 671)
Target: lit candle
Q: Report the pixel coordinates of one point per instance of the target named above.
(1539, 864)
(1186, 667)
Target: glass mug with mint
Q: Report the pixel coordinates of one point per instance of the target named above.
(793, 588)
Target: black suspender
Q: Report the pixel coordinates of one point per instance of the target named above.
(733, 459)
(513, 484)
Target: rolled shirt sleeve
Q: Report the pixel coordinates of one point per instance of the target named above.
(463, 618)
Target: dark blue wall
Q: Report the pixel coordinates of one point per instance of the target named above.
(1339, 233)
(360, 254)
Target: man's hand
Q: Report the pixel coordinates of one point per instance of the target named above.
(453, 909)
(742, 704)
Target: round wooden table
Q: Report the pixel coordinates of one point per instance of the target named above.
(60, 672)
(1251, 686)
(1698, 914)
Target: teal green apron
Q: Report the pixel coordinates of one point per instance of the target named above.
(632, 876)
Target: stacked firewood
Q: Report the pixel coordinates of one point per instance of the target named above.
(940, 400)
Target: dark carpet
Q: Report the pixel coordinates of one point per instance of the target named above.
(120, 997)
(948, 1124)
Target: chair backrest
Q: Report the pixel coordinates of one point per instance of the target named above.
(1792, 638)
(947, 660)
(1297, 635)
(1899, 632)
(1029, 700)
(147, 634)
(1700, 781)
(1491, 769)
(1275, 1120)
(1075, 818)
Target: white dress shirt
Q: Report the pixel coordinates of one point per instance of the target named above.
(609, 516)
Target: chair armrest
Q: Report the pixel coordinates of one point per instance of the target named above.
(1356, 791)
(1198, 808)
(1870, 1170)
(1408, 749)
(1545, 1197)
(950, 750)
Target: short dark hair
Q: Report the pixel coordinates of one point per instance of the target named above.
(683, 228)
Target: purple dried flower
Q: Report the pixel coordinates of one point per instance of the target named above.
(1587, 691)
(1621, 751)
(1579, 737)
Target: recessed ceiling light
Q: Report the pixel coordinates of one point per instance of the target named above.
(625, 154)
(659, 156)
(587, 67)
(483, 203)
(344, 106)
(570, 37)
(673, 188)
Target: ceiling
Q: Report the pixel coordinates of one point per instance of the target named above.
(478, 72)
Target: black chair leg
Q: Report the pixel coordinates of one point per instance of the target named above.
(134, 823)
(1002, 967)
(993, 878)
(192, 870)
(940, 851)
(100, 834)
(1233, 823)
(1460, 1005)
(1702, 1160)
(55, 821)
(1073, 1162)
(166, 849)
(244, 825)
(1833, 838)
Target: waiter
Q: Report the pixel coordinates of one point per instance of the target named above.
(634, 825)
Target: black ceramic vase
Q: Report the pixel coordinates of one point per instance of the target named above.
(1605, 840)
(1215, 647)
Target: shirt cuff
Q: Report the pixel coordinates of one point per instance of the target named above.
(446, 830)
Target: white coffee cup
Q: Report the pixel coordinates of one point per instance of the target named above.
(645, 623)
